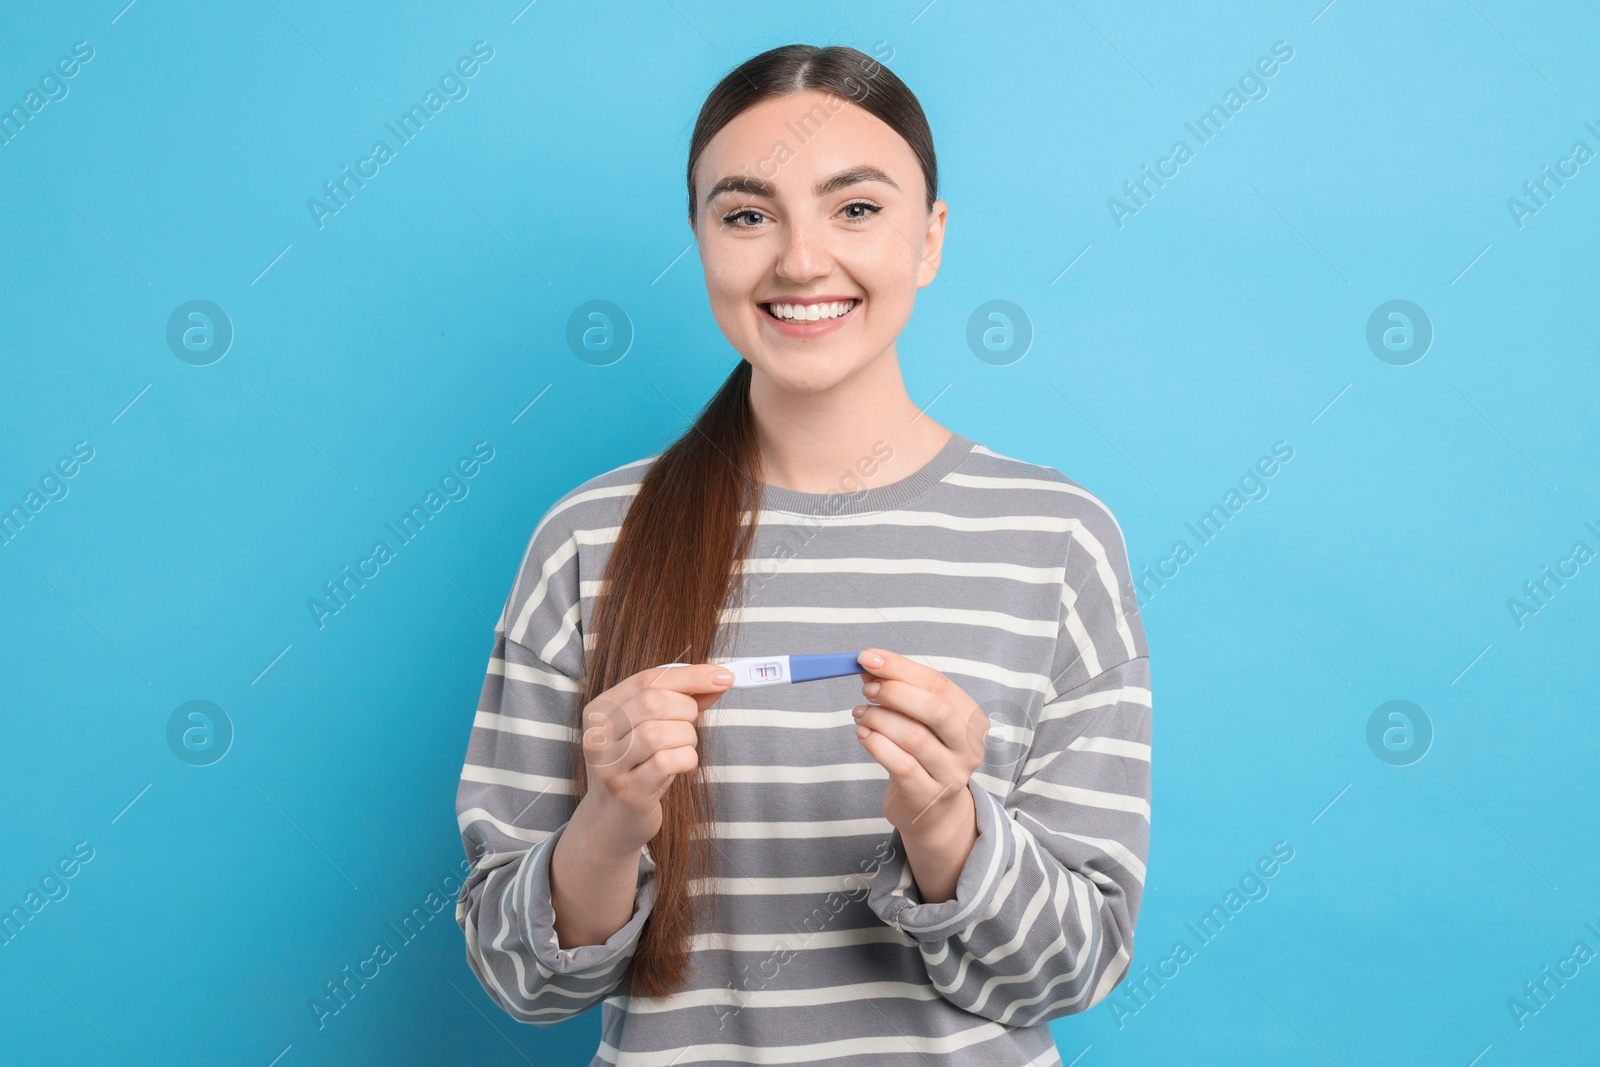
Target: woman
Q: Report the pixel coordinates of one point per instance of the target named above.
(772, 874)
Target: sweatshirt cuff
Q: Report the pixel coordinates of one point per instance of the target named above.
(897, 901)
(533, 894)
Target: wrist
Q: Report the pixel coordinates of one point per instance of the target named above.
(936, 854)
(593, 822)
(952, 818)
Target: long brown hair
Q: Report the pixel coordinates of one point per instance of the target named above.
(672, 570)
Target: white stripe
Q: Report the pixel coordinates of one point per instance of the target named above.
(510, 724)
(1111, 847)
(1126, 694)
(800, 941)
(551, 566)
(820, 829)
(865, 771)
(519, 672)
(1108, 580)
(770, 566)
(995, 481)
(812, 1053)
(518, 833)
(971, 668)
(699, 999)
(999, 787)
(788, 887)
(985, 450)
(533, 783)
(874, 565)
(1050, 1057)
(1078, 632)
(1113, 973)
(720, 716)
(597, 536)
(997, 620)
(485, 973)
(558, 640)
(935, 519)
(1110, 746)
(1089, 798)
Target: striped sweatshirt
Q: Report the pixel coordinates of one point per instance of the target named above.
(1007, 577)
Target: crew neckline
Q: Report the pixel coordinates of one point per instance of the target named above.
(876, 498)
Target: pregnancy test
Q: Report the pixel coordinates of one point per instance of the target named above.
(752, 671)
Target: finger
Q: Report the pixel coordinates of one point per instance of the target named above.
(652, 776)
(670, 691)
(906, 772)
(940, 712)
(621, 755)
(881, 663)
(914, 738)
(610, 729)
(913, 791)
(684, 678)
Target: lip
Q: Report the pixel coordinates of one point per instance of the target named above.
(809, 329)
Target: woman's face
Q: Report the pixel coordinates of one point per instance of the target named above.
(807, 199)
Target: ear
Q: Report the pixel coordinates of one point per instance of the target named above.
(932, 244)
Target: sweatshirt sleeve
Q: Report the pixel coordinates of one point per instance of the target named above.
(1042, 922)
(516, 795)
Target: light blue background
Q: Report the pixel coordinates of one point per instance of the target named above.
(1228, 314)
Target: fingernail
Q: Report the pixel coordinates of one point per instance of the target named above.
(722, 677)
(858, 712)
(871, 688)
(870, 659)
(862, 732)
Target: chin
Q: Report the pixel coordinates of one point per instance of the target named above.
(793, 372)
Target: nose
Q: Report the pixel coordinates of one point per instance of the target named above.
(804, 254)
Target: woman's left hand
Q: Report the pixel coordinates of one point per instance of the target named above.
(929, 735)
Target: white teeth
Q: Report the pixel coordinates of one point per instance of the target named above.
(811, 312)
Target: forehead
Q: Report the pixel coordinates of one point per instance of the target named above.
(791, 141)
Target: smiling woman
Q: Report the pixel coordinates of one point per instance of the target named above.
(786, 874)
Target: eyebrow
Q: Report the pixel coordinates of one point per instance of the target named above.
(743, 183)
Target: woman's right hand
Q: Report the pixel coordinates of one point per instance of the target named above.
(637, 737)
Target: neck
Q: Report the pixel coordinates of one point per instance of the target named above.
(865, 428)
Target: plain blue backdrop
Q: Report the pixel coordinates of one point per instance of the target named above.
(1171, 348)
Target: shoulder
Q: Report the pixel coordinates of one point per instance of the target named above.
(600, 501)
(1098, 592)
(1043, 490)
(588, 513)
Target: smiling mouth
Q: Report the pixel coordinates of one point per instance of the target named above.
(802, 313)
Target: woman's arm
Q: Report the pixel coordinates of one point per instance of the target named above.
(1041, 920)
(592, 888)
(1041, 924)
(515, 809)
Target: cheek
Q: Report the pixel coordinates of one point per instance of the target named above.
(726, 292)
(888, 272)
(731, 275)
(888, 305)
